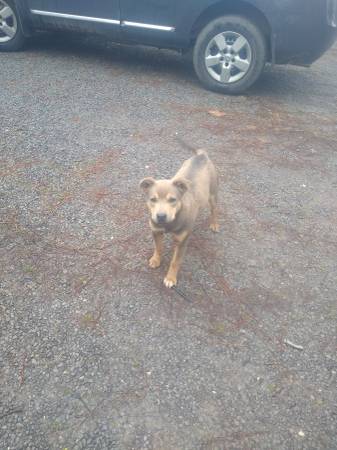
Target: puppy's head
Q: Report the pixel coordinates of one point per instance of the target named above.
(164, 198)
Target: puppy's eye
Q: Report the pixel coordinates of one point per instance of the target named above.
(172, 200)
(153, 199)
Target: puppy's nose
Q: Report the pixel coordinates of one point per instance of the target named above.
(161, 218)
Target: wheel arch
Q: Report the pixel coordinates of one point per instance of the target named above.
(237, 7)
(24, 16)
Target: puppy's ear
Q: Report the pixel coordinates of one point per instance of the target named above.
(147, 183)
(182, 184)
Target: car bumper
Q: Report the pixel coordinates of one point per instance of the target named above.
(307, 56)
(332, 13)
(307, 36)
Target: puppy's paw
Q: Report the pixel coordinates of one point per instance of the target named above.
(154, 262)
(170, 281)
(214, 227)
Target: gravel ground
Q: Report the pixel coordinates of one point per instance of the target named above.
(95, 352)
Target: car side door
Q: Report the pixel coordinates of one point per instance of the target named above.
(78, 13)
(150, 21)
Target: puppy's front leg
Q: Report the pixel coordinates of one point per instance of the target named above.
(155, 261)
(214, 225)
(179, 251)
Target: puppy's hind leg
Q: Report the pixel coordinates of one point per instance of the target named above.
(155, 260)
(214, 225)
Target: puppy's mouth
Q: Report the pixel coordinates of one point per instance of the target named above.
(161, 221)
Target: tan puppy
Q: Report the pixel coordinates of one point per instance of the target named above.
(174, 206)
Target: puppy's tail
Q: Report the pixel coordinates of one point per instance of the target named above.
(191, 148)
(200, 151)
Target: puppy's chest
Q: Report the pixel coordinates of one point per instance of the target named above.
(173, 227)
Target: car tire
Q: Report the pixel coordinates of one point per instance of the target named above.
(230, 54)
(11, 35)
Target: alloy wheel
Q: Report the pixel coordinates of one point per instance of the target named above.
(228, 57)
(8, 22)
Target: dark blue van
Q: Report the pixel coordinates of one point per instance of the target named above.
(231, 40)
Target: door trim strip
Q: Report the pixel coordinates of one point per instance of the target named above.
(147, 25)
(99, 20)
(74, 17)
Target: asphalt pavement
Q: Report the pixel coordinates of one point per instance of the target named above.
(95, 353)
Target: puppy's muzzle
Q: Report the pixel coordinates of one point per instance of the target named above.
(161, 218)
